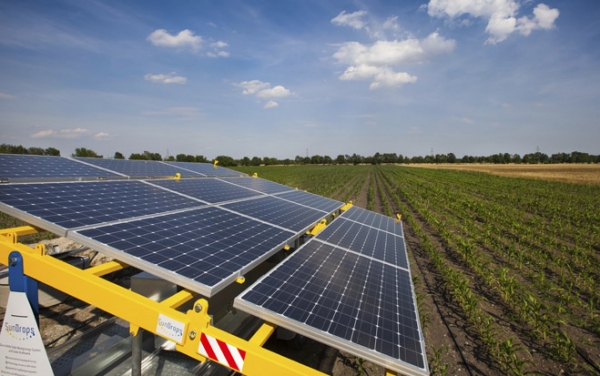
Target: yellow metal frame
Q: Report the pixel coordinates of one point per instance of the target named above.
(142, 312)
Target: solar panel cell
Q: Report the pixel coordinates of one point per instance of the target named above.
(134, 168)
(258, 184)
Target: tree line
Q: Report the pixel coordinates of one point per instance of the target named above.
(355, 159)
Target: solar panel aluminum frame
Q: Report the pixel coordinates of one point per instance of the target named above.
(169, 275)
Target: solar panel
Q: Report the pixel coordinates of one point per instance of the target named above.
(202, 249)
(258, 184)
(373, 219)
(354, 303)
(279, 212)
(135, 168)
(366, 240)
(61, 206)
(17, 167)
(205, 169)
(312, 200)
(207, 189)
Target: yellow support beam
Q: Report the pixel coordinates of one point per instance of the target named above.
(106, 268)
(21, 231)
(347, 206)
(318, 227)
(185, 329)
(262, 334)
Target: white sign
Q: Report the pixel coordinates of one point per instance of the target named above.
(22, 351)
(170, 328)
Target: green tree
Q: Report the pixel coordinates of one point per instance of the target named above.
(52, 151)
(36, 151)
(85, 153)
(226, 161)
(118, 155)
(341, 159)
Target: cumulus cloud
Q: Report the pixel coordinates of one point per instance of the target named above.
(170, 78)
(63, 133)
(264, 90)
(276, 92)
(217, 49)
(6, 96)
(183, 39)
(350, 19)
(251, 87)
(271, 104)
(501, 16)
(376, 62)
(102, 136)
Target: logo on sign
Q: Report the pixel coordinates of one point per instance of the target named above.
(172, 329)
(20, 332)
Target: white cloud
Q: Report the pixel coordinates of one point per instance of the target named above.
(501, 15)
(219, 44)
(271, 104)
(467, 120)
(170, 78)
(102, 136)
(218, 54)
(376, 62)
(6, 96)
(251, 87)
(185, 38)
(276, 92)
(350, 19)
(391, 24)
(63, 133)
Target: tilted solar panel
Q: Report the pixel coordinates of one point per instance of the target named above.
(135, 168)
(202, 249)
(205, 169)
(258, 184)
(207, 189)
(311, 200)
(279, 212)
(17, 167)
(366, 240)
(61, 206)
(348, 301)
(349, 287)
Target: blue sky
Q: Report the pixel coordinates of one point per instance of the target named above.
(278, 78)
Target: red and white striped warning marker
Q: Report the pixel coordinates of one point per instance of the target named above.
(222, 352)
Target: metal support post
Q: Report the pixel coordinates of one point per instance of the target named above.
(19, 282)
(136, 353)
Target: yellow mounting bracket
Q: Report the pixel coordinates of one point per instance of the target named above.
(255, 175)
(318, 228)
(286, 248)
(176, 177)
(399, 217)
(347, 206)
(215, 163)
(241, 279)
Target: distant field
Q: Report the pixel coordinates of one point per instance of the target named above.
(568, 173)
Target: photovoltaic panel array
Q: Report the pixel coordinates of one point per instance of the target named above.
(349, 287)
(207, 189)
(260, 185)
(204, 169)
(136, 168)
(62, 206)
(203, 249)
(178, 229)
(278, 212)
(15, 167)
